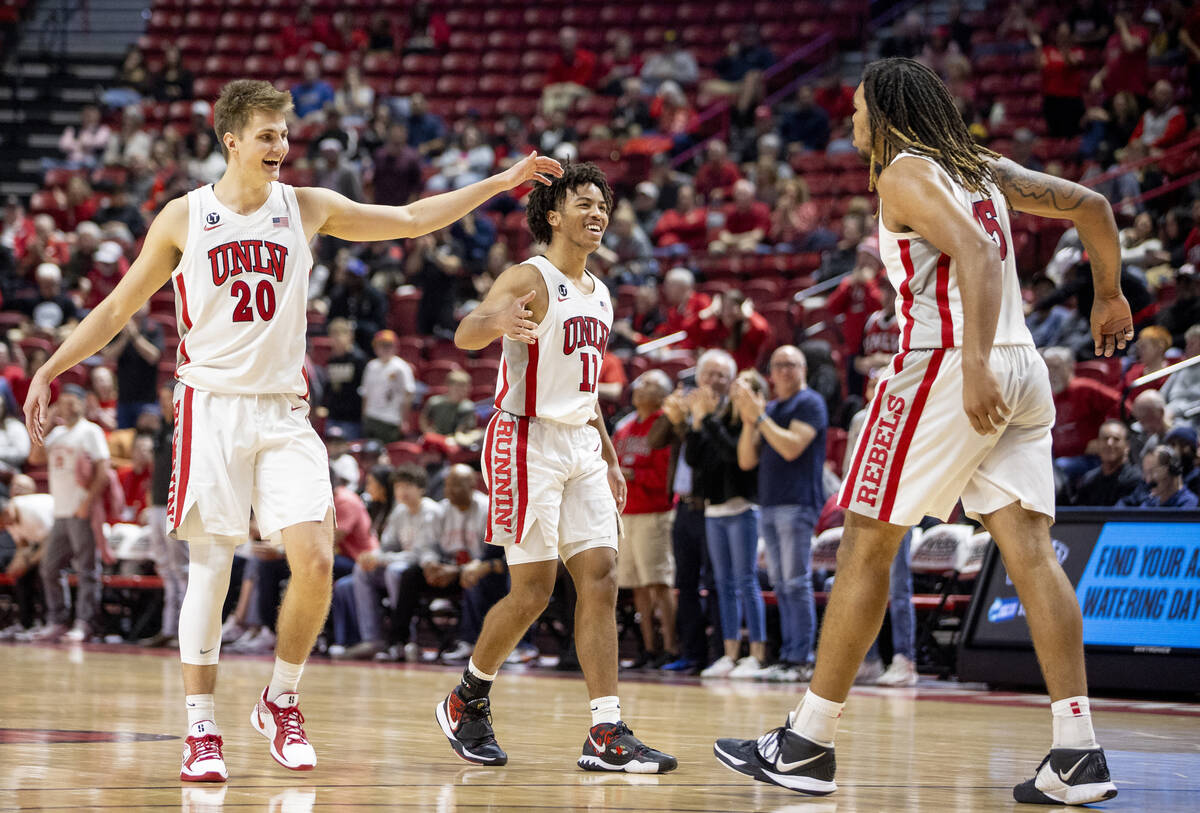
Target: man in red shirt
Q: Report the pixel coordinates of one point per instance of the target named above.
(135, 479)
(682, 305)
(1126, 63)
(747, 221)
(685, 226)
(571, 73)
(718, 174)
(1081, 406)
(737, 328)
(645, 562)
(857, 296)
(1062, 82)
(1164, 124)
(354, 535)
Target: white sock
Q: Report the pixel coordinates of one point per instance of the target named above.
(606, 710)
(816, 718)
(1072, 719)
(479, 673)
(285, 679)
(200, 707)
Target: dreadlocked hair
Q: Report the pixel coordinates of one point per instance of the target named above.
(544, 199)
(910, 110)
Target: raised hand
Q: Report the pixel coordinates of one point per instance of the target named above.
(516, 321)
(532, 167)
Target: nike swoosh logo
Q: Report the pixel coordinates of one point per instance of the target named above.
(210, 228)
(785, 767)
(204, 652)
(295, 408)
(1066, 777)
(563, 298)
(600, 749)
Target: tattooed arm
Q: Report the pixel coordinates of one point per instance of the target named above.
(1044, 195)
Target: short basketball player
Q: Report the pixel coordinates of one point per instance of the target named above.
(555, 480)
(964, 410)
(238, 255)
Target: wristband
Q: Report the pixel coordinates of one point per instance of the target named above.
(760, 419)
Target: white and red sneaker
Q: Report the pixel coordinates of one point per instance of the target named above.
(282, 724)
(202, 758)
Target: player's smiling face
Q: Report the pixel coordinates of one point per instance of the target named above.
(262, 145)
(583, 216)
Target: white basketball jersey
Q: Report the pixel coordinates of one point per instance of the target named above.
(555, 377)
(241, 291)
(928, 300)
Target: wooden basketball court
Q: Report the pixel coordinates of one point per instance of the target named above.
(97, 728)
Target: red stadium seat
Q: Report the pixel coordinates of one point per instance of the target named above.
(434, 372)
(402, 313)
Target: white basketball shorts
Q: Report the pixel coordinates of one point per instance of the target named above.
(917, 454)
(237, 452)
(548, 489)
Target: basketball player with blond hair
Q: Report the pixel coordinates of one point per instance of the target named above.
(965, 410)
(237, 253)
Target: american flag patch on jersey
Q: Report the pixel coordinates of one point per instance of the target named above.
(279, 221)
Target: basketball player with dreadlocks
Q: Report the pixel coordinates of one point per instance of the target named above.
(965, 410)
(553, 476)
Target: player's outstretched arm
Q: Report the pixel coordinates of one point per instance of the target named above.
(338, 216)
(513, 307)
(912, 192)
(1037, 193)
(149, 272)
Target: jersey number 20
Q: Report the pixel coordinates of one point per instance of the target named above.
(264, 298)
(985, 213)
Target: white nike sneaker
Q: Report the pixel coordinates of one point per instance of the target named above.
(283, 725)
(748, 668)
(202, 757)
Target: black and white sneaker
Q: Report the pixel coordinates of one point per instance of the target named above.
(612, 747)
(1068, 776)
(782, 757)
(468, 726)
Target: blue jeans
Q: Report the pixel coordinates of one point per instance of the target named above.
(352, 429)
(733, 548)
(904, 617)
(787, 531)
(343, 610)
(128, 411)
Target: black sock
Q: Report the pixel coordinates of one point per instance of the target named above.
(472, 687)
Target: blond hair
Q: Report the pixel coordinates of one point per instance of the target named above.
(238, 102)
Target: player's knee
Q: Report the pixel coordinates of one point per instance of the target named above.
(599, 587)
(313, 564)
(864, 554)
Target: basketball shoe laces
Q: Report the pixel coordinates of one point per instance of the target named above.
(619, 730)
(206, 747)
(290, 720)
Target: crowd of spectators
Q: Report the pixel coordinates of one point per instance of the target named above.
(403, 425)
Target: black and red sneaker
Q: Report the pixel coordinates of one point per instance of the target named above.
(612, 747)
(468, 726)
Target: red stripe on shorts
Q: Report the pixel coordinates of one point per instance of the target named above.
(943, 300)
(522, 478)
(531, 381)
(487, 468)
(910, 427)
(184, 464)
(845, 498)
(906, 294)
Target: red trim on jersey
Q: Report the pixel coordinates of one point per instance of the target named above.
(183, 352)
(943, 300)
(304, 375)
(845, 498)
(183, 466)
(910, 427)
(531, 381)
(487, 471)
(522, 479)
(183, 308)
(906, 294)
(503, 383)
